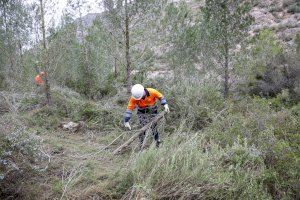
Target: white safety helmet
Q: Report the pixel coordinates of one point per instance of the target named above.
(137, 91)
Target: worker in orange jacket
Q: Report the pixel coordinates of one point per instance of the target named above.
(144, 99)
(40, 81)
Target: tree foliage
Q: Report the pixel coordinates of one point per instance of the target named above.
(15, 25)
(225, 25)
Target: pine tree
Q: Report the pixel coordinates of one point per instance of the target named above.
(129, 19)
(226, 23)
(14, 32)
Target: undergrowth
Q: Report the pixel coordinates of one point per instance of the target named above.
(247, 149)
(243, 148)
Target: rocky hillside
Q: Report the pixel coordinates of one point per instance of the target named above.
(282, 16)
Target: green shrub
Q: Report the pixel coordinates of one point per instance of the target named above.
(193, 100)
(295, 110)
(270, 70)
(98, 116)
(287, 3)
(89, 112)
(294, 8)
(297, 42)
(267, 44)
(108, 87)
(44, 117)
(20, 159)
(29, 103)
(275, 8)
(2, 82)
(93, 88)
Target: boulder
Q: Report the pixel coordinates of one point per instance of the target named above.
(72, 126)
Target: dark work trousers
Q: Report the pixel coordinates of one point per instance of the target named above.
(145, 116)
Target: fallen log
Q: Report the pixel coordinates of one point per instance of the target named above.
(139, 132)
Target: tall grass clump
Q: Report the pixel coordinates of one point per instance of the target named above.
(192, 168)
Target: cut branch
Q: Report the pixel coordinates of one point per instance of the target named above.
(141, 131)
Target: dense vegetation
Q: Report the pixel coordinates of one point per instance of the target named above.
(233, 131)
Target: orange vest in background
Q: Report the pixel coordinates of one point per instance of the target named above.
(39, 80)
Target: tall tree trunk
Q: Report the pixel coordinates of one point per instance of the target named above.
(21, 53)
(128, 63)
(226, 72)
(87, 74)
(45, 59)
(116, 71)
(87, 69)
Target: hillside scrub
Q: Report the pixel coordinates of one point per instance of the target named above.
(228, 69)
(220, 146)
(212, 149)
(22, 157)
(248, 151)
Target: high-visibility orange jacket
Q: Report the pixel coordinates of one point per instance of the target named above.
(39, 80)
(149, 100)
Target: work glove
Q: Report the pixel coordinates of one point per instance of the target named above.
(167, 109)
(127, 125)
